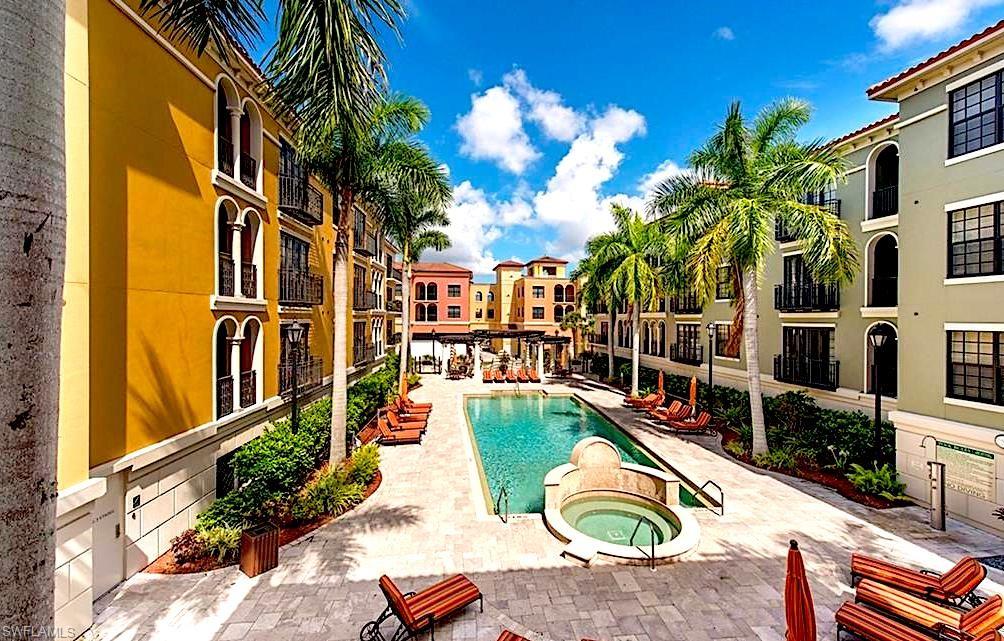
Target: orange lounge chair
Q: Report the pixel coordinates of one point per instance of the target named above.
(956, 586)
(369, 433)
(396, 422)
(400, 437)
(418, 407)
(702, 425)
(676, 410)
(409, 412)
(510, 375)
(521, 375)
(931, 617)
(486, 376)
(532, 375)
(498, 376)
(419, 612)
(652, 400)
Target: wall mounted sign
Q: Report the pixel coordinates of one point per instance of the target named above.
(967, 470)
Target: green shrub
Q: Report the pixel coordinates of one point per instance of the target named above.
(222, 543)
(878, 481)
(329, 491)
(413, 379)
(735, 448)
(776, 459)
(234, 509)
(363, 465)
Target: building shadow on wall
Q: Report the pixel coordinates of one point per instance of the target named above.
(161, 409)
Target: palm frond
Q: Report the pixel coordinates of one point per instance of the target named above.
(196, 23)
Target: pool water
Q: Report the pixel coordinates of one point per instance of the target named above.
(614, 520)
(522, 438)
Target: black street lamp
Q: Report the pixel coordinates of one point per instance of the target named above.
(434, 367)
(711, 368)
(877, 340)
(293, 334)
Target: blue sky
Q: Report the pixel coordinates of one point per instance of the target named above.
(544, 112)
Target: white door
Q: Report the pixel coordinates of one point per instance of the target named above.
(109, 537)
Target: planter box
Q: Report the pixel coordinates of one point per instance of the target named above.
(259, 549)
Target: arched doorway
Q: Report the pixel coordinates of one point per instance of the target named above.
(885, 190)
(887, 358)
(884, 261)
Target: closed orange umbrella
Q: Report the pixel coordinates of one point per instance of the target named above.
(660, 382)
(403, 392)
(798, 611)
(693, 391)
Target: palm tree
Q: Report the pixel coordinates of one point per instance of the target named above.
(366, 161)
(327, 61)
(577, 322)
(630, 256)
(747, 176)
(596, 288)
(413, 220)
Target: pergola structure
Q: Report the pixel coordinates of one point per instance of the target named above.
(477, 337)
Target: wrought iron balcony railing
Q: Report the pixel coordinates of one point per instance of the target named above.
(885, 201)
(363, 354)
(686, 353)
(813, 297)
(226, 274)
(249, 171)
(308, 373)
(809, 372)
(224, 396)
(363, 300)
(884, 291)
(249, 388)
(300, 288)
(394, 306)
(364, 243)
(300, 199)
(249, 280)
(225, 156)
(685, 304)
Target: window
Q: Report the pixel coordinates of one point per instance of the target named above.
(477, 313)
(420, 313)
(976, 366)
(478, 296)
(491, 296)
(295, 254)
(686, 334)
(538, 313)
(453, 291)
(453, 312)
(431, 291)
(538, 291)
(974, 237)
(550, 271)
(491, 312)
(813, 343)
(431, 313)
(723, 283)
(559, 294)
(975, 116)
(723, 331)
(559, 313)
(419, 291)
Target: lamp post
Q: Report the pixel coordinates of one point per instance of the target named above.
(877, 340)
(436, 369)
(293, 334)
(711, 368)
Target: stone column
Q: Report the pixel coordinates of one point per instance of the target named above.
(235, 138)
(540, 359)
(477, 358)
(235, 253)
(235, 366)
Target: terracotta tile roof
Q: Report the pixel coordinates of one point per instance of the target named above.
(509, 263)
(439, 267)
(548, 259)
(917, 68)
(878, 124)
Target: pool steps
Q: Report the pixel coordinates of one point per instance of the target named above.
(580, 550)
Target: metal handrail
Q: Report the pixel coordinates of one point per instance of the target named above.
(504, 492)
(721, 495)
(651, 530)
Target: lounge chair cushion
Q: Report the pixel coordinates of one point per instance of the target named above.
(954, 584)
(906, 606)
(873, 626)
(435, 602)
(986, 617)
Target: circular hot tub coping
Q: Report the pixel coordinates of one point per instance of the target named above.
(584, 548)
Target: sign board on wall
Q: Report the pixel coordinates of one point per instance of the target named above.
(967, 470)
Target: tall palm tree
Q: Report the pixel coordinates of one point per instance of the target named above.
(365, 160)
(630, 255)
(413, 221)
(578, 322)
(327, 61)
(747, 176)
(596, 288)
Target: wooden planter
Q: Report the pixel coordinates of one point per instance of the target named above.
(259, 549)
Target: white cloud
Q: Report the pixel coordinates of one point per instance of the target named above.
(725, 33)
(471, 230)
(547, 109)
(476, 76)
(493, 130)
(912, 21)
(666, 169)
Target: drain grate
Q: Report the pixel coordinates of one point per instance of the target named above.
(996, 562)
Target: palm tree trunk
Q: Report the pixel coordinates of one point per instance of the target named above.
(339, 348)
(33, 235)
(635, 347)
(752, 342)
(405, 318)
(611, 343)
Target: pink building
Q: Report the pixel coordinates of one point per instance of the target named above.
(440, 299)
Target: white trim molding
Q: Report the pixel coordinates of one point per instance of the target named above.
(875, 224)
(233, 303)
(974, 405)
(975, 280)
(880, 312)
(79, 495)
(790, 245)
(808, 316)
(854, 170)
(979, 153)
(974, 327)
(974, 76)
(829, 325)
(975, 201)
(238, 189)
(921, 116)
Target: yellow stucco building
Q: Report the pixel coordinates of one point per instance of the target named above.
(195, 240)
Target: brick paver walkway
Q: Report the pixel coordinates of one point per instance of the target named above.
(429, 519)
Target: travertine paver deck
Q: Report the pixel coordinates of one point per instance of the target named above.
(429, 519)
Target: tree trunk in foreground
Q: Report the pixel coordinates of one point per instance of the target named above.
(752, 343)
(339, 350)
(405, 319)
(635, 347)
(32, 259)
(611, 343)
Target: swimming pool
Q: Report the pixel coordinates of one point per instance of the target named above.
(519, 439)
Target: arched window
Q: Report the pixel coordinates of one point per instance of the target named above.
(559, 313)
(420, 312)
(569, 293)
(478, 296)
(432, 292)
(227, 103)
(251, 253)
(419, 291)
(251, 354)
(882, 256)
(662, 338)
(882, 167)
(559, 294)
(491, 296)
(569, 309)
(226, 329)
(646, 341)
(250, 146)
(431, 312)
(226, 217)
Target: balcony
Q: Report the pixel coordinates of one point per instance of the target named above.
(686, 353)
(686, 304)
(394, 274)
(225, 156)
(806, 298)
(394, 306)
(884, 291)
(249, 171)
(885, 201)
(308, 374)
(808, 372)
(394, 338)
(298, 198)
(249, 388)
(300, 288)
(364, 243)
(226, 275)
(363, 300)
(249, 280)
(783, 234)
(224, 396)
(362, 354)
